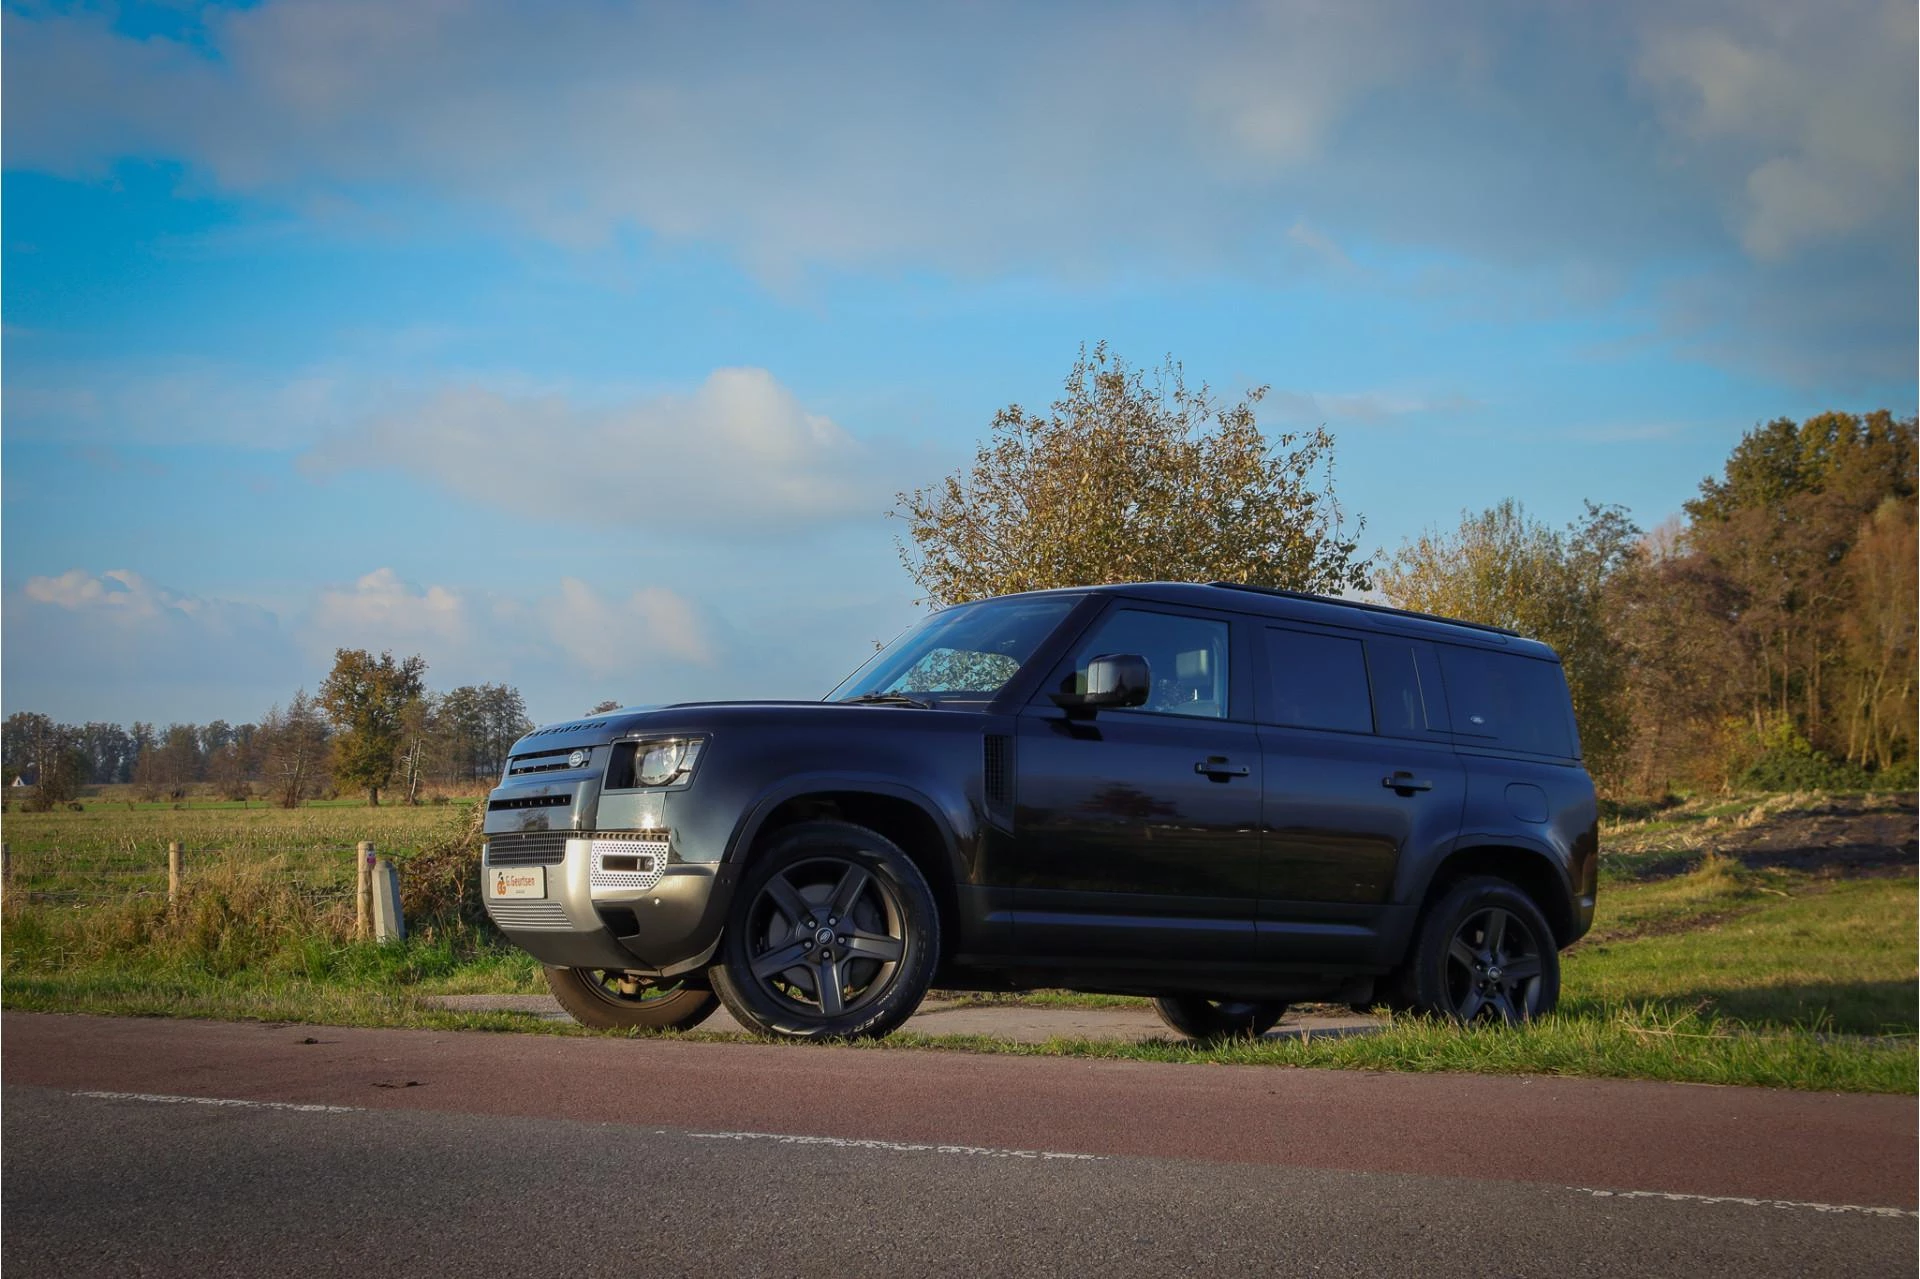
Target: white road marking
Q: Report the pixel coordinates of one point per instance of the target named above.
(166, 1100)
(853, 1143)
(1743, 1201)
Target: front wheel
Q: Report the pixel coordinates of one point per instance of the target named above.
(609, 1000)
(833, 935)
(1200, 1018)
(1484, 952)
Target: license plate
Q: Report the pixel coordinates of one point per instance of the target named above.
(516, 881)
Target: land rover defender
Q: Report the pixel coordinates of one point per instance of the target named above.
(1224, 797)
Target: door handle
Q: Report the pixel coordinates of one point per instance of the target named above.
(1405, 783)
(1217, 767)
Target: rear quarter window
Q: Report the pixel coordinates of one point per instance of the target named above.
(1318, 681)
(1507, 700)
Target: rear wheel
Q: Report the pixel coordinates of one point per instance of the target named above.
(1484, 952)
(833, 935)
(608, 999)
(1198, 1017)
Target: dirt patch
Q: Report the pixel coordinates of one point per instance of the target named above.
(1847, 837)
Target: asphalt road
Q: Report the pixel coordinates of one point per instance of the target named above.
(194, 1148)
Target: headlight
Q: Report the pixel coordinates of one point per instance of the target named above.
(662, 763)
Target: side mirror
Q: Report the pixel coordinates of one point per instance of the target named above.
(1113, 679)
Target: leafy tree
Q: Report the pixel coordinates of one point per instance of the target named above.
(365, 697)
(1504, 568)
(1132, 477)
(293, 749)
(600, 708)
(1779, 528)
(1879, 633)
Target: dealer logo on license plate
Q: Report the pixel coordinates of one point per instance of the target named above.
(517, 881)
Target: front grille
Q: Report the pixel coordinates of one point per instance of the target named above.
(529, 848)
(550, 916)
(532, 801)
(640, 861)
(545, 761)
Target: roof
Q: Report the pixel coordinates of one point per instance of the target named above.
(1326, 609)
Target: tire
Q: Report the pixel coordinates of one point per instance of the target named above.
(790, 966)
(609, 1000)
(1484, 952)
(1198, 1017)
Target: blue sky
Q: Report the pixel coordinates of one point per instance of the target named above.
(584, 347)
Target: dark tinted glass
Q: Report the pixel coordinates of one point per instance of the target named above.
(1399, 701)
(1187, 657)
(1319, 681)
(1516, 701)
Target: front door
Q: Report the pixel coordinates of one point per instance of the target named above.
(1138, 831)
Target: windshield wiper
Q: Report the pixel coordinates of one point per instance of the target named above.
(886, 699)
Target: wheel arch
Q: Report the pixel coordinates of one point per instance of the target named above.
(900, 813)
(1533, 871)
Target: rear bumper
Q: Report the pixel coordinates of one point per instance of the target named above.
(664, 925)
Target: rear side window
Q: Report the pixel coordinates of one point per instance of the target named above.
(1508, 700)
(1406, 689)
(1319, 681)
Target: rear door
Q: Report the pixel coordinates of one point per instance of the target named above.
(1138, 831)
(1359, 775)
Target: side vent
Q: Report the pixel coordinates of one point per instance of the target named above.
(998, 785)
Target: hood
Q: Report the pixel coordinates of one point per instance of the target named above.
(686, 717)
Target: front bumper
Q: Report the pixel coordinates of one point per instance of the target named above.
(663, 923)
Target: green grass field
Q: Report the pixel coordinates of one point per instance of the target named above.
(1709, 971)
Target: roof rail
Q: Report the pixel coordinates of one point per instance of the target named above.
(1371, 608)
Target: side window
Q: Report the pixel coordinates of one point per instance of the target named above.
(1187, 657)
(1319, 681)
(1517, 702)
(1402, 704)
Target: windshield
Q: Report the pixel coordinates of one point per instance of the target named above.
(970, 650)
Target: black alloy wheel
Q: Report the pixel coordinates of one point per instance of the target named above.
(834, 934)
(1198, 1017)
(1485, 953)
(607, 999)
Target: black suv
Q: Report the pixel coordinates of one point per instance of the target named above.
(1223, 797)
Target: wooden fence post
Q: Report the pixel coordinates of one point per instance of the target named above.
(173, 871)
(363, 889)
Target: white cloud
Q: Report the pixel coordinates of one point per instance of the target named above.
(382, 611)
(115, 646)
(123, 599)
(1364, 407)
(1810, 105)
(740, 452)
(1740, 138)
(610, 637)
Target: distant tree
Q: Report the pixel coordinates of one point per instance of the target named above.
(1132, 477)
(1503, 568)
(170, 767)
(416, 740)
(293, 750)
(110, 753)
(365, 697)
(27, 741)
(601, 708)
(474, 726)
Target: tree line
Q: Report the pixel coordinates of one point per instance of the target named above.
(1765, 637)
(371, 727)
